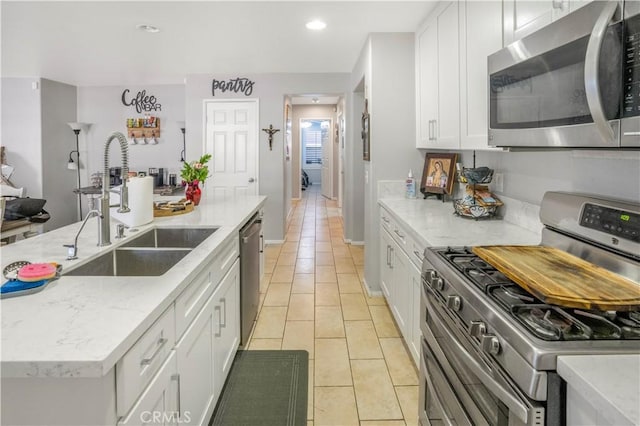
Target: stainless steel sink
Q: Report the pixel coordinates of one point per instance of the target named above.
(171, 237)
(131, 262)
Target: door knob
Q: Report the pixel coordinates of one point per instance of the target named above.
(251, 180)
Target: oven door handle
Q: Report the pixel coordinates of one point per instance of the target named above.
(514, 403)
(591, 73)
(436, 400)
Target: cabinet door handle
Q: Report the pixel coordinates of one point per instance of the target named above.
(176, 377)
(161, 342)
(261, 243)
(219, 333)
(435, 130)
(392, 255)
(430, 136)
(388, 256)
(224, 316)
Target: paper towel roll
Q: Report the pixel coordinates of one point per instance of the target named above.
(140, 202)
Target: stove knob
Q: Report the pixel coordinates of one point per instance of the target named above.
(490, 344)
(440, 284)
(477, 328)
(454, 302)
(432, 276)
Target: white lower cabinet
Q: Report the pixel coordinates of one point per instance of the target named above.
(185, 389)
(158, 404)
(226, 333)
(400, 279)
(416, 294)
(195, 363)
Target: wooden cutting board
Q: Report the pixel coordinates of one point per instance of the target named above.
(559, 278)
(172, 209)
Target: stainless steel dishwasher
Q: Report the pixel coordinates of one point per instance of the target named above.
(249, 275)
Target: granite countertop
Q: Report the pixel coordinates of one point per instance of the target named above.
(79, 326)
(434, 224)
(610, 384)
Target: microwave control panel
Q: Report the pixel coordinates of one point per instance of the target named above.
(631, 67)
(616, 222)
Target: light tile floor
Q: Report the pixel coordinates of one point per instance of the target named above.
(312, 298)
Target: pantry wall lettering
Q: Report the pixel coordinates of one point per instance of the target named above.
(142, 101)
(236, 85)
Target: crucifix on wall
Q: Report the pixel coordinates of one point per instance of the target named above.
(271, 131)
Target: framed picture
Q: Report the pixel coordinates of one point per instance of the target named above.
(366, 137)
(438, 174)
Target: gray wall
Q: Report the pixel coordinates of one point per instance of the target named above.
(38, 140)
(271, 90)
(103, 108)
(390, 90)
(58, 108)
(21, 133)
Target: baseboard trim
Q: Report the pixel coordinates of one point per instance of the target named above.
(370, 292)
(267, 242)
(356, 243)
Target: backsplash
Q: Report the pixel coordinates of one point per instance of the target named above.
(521, 213)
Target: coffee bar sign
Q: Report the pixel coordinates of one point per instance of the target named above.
(141, 102)
(236, 85)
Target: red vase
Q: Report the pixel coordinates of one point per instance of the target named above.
(193, 193)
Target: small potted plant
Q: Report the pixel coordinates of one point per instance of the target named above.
(192, 175)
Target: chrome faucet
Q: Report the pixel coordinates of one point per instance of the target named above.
(104, 237)
(72, 253)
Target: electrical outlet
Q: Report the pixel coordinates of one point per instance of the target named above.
(498, 182)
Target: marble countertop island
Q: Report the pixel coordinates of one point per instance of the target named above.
(80, 326)
(606, 387)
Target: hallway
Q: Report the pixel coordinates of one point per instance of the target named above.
(312, 298)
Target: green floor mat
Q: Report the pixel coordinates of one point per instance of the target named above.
(265, 388)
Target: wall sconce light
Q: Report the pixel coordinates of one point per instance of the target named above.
(183, 153)
(71, 165)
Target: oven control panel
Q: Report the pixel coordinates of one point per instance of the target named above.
(631, 96)
(616, 222)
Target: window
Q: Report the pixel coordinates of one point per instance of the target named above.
(313, 134)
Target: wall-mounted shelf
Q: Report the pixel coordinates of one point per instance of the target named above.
(148, 127)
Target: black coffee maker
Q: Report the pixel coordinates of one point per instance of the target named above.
(115, 176)
(158, 176)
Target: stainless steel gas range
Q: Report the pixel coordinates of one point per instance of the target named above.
(489, 348)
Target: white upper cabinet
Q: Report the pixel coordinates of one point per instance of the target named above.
(480, 36)
(438, 80)
(521, 18)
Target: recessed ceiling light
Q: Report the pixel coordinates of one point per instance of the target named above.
(316, 24)
(148, 28)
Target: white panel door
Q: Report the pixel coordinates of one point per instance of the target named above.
(327, 161)
(232, 139)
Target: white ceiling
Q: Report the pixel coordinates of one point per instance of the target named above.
(96, 43)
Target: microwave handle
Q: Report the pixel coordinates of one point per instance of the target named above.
(591, 73)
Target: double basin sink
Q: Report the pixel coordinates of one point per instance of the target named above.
(150, 254)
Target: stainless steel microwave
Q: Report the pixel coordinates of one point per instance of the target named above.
(572, 84)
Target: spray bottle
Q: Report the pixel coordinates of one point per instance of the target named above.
(410, 183)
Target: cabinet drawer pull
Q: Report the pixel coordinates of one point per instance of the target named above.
(219, 333)
(399, 234)
(176, 377)
(224, 316)
(161, 342)
(417, 253)
(384, 218)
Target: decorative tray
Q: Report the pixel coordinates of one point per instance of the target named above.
(172, 208)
